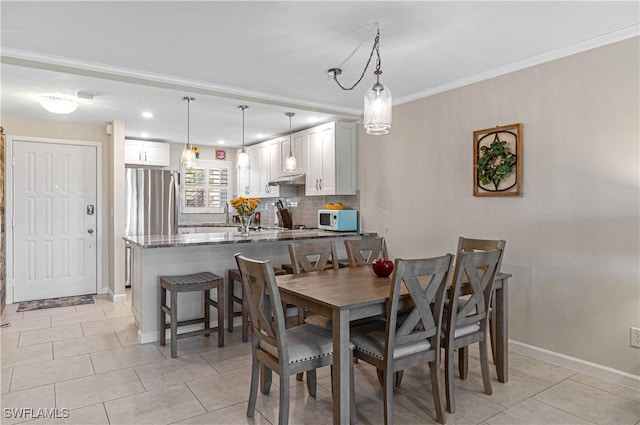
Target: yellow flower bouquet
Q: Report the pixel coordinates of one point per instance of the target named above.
(245, 207)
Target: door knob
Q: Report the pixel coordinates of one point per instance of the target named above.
(90, 231)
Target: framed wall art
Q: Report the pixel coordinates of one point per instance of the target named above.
(497, 161)
(221, 154)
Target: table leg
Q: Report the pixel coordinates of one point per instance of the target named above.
(502, 331)
(341, 360)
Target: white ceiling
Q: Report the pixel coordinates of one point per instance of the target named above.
(273, 56)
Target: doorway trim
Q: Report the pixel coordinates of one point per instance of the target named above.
(9, 163)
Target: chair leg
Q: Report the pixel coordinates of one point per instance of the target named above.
(492, 329)
(163, 316)
(463, 362)
(174, 324)
(230, 286)
(399, 375)
(245, 317)
(220, 308)
(436, 384)
(380, 377)
(207, 310)
(311, 382)
(389, 381)
(283, 416)
(253, 390)
(448, 380)
(484, 365)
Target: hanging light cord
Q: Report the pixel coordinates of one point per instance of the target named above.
(376, 49)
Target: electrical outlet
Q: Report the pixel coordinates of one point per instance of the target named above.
(635, 337)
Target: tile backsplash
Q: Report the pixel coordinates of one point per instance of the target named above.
(303, 209)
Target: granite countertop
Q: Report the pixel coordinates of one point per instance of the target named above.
(255, 236)
(209, 225)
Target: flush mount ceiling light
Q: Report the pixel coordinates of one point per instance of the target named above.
(243, 156)
(290, 163)
(58, 105)
(188, 158)
(377, 101)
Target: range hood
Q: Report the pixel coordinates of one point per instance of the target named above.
(288, 180)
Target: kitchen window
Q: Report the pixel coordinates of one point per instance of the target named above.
(206, 187)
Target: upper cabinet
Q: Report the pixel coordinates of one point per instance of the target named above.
(331, 159)
(147, 153)
(299, 141)
(264, 160)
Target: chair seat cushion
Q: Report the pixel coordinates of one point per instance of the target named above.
(466, 330)
(305, 342)
(370, 338)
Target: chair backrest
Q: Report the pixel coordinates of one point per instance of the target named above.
(471, 245)
(265, 307)
(301, 254)
(426, 281)
(361, 252)
(475, 271)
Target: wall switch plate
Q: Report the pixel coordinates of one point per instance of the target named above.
(635, 337)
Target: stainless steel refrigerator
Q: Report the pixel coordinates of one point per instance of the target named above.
(151, 205)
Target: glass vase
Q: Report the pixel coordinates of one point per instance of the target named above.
(245, 220)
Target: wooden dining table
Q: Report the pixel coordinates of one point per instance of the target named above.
(353, 293)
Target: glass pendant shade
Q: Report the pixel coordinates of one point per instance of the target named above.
(290, 163)
(243, 160)
(188, 158)
(377, 110)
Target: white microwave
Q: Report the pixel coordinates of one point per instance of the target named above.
(338, 220)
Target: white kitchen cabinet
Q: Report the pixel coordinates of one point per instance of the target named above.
(264, 159)
(331, 159)
(140, 152)
(299, 140)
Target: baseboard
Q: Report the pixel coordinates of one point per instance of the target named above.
(603, 372)
(116, 298)
(146, 337)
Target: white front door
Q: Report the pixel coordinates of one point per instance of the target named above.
(55, 216)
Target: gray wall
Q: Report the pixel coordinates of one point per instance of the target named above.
(572, 237)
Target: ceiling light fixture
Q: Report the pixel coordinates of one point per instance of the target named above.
(147, 114)
(377, 101)
(188, 158)
(243, 156)
(58, 105)
(290, 163)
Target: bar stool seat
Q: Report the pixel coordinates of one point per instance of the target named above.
(233, 276)
(204, 281)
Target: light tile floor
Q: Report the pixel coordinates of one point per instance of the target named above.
(86, 359)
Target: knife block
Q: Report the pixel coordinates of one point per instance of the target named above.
(284, 219)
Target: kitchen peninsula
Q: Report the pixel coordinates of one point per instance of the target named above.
(154, 256)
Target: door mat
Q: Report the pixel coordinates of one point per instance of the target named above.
(55, 302)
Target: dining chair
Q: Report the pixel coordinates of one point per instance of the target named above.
(471, 245)
(467, 317)
(276, 348)
(415, 338)
(309, 257)
(361, 252)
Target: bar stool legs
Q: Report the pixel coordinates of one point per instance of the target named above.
(190, 283)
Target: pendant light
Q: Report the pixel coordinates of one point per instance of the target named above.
(58, 105)
(188, 158)
(243, 156)
(290, 163)
(377, 101)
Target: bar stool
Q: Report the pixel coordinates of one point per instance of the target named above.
(204, 281)
(233, 276)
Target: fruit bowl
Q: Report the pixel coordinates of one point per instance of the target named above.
(382, 267)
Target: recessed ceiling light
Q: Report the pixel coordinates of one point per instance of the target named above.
(221, 142)
(58, 105)
(313, 120)
(259, 135)
(147, 114)
(144, 135)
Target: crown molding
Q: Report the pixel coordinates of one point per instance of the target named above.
(592, 43)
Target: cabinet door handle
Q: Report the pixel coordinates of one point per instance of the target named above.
(145, 157)
(320, 183)
(139, 156)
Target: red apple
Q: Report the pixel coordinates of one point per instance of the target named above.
(382, 267)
